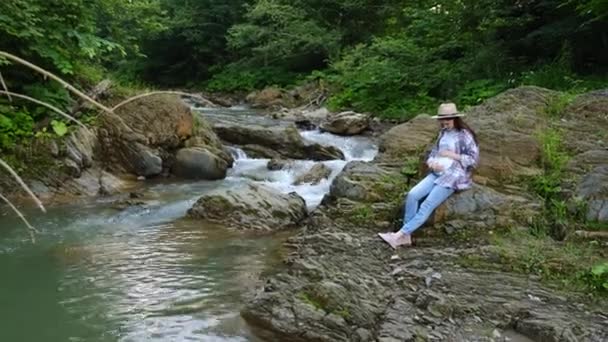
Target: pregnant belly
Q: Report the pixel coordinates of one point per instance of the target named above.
(445, 162)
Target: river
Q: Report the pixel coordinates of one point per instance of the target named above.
(144, 273)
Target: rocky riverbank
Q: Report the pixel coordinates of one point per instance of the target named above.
(343, 284)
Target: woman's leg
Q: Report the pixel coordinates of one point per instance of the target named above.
(437, 196)
(418, 192)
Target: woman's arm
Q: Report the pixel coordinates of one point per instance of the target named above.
(469, 151)
(435, 149)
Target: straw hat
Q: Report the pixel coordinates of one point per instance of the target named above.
(447, 111)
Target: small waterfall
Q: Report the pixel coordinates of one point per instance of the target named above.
(237, 153)
(354, 148)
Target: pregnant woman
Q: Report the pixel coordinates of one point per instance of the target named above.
(451, 164)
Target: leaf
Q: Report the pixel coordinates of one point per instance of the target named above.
(59, 127)
(600, 269)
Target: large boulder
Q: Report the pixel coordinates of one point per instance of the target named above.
(142, 137)
(358, 181)
(251, 207)
(484, 208)
(584, 122)
(280, 141)
(266, 98)
(346, 123)
(410, 138)
(315, 175)
(199, 163)
(506, 127)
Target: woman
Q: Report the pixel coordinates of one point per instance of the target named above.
(451, 164)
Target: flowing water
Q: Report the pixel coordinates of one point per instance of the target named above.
(145, 273)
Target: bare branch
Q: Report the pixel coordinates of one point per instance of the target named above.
(30, 228)
(5, 87)
(591, 234)
(23, 185)
(49, 106)
(131, 99)
(56, 78)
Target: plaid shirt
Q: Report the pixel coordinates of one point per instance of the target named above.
(459, 175)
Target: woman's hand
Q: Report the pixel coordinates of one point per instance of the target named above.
(435, 166)
(449, 154)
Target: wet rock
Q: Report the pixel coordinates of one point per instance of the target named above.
(279, 164)
(266, 98)
(94, 182)
(346, 123)
(251, 207)
(305, 124)
(357, 182)
(258, 151)
(593, 190)
(205, 137)
(285, 142)
(80, 147)
(315, 175)
(72, 168)
(199, 163)
(303, 118)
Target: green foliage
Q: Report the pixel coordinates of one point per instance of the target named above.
(573, 265)
(15, 124)
(597, 277)
(362, 214)
(235, 77)
(59, 127)
(556, 107)
(278, 32)
(475, 92)
(556, 216)
(378, 77)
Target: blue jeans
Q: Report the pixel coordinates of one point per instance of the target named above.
(435, 195)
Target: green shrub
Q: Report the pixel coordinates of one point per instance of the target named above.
(596, 278)
(474, 92)
(236, 77)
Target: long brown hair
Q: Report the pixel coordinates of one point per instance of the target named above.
(460, 125)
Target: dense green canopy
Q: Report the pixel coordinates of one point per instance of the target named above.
(390, 57)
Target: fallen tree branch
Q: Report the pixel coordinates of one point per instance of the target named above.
(30, 228)
(137, 97)
(591, 234)
(23, 185)
(5, 87)
(100, 89)
(56, 78)
(49, 106)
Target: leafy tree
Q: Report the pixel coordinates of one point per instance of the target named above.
(194, 41)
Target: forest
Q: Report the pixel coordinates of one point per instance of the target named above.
(392, 58)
